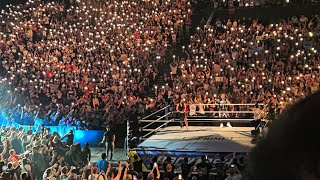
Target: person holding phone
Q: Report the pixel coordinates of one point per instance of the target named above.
(134, 177)
(235, 174)
(151, 175)
(168, 168)
(112, 176)
(94, 174)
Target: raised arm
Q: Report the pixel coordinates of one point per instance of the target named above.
(155, 167)
(69, 113)
(89, 155)
(109, 168)
(125, 171)
(119, 171)
(49, 112)
(21, 113)
(56, 115)
(158, 172)
(3, 151)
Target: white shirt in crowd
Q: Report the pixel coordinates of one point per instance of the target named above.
(193, 108)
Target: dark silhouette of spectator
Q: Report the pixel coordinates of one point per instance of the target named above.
(221, 168)
(204, 168)
(186, 168)
(290, 149)
(137, 163)
(86, 152)
(168, 168)
(69, 137)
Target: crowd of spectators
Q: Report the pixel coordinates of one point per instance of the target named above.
(85, 62)
(227, 4)
(247, 61)
(91, 63)
(176, 168)
(39, 155)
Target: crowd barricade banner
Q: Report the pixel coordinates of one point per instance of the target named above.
(61, 130)
(93, 137)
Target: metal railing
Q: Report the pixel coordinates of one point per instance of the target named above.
(154, 121)
(222, 115)
(224, 105)
(157, 129)
(156, 112)
(228, 104)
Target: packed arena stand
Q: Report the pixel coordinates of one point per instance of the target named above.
(246, 61)
(90, 64)
(229, 4)
(87, 63)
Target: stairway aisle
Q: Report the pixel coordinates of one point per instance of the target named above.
(175, 53)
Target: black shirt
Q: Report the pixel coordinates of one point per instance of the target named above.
(221, 170)
(137, 166)
(86, 154)
(203, 170)
(69, 140)
(185, 168)
(70, 155)
(108, 135)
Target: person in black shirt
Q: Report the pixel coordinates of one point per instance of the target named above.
(109, 140)
(59, 146)
(168, 168)
(38, 163)
(186, 167)
(54, 158)
(221, 169)
(290, 146)
(86, 152)
(137, 164)
(71, 157)
(203, 168)
(69, 137)
(12, 172)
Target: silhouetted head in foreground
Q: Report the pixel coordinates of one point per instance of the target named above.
(291, 150)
